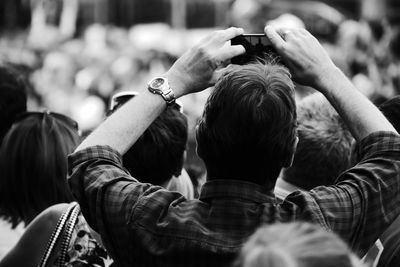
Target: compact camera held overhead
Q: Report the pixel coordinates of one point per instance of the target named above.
(257, 46)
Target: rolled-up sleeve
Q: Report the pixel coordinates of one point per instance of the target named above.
(108, 195)
(91, 171)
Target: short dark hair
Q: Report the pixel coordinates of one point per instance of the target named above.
(249, 124)
(13, 86)
(33, 164)
(159, 153)
(391, 110)
(324, 146)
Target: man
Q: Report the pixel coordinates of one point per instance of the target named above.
(323, 151)
(145, 225)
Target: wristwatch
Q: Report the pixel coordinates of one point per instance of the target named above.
(160, 86)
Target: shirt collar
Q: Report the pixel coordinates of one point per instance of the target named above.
(236, 189)
(283, 188)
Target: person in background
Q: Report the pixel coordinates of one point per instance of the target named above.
(33, 167)
(13, 87)
(297, 244)
(34, 191)
(323, 151)
(159, 154)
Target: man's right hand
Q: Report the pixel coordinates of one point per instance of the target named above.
(307, 60)
(311, 65)
(194, 70)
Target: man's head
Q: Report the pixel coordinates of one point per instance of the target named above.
(248, 128)
(12, 97)
(324, 147)
(159, 153)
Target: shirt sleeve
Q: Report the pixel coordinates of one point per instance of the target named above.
(366, 198)
(110, 198)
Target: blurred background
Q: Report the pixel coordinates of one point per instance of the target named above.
(78, 53)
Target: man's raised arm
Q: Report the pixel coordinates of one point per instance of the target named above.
(310, 65)
(192, 72)
(365, 199)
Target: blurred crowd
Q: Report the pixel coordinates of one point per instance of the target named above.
(77, 76)
(73, 78)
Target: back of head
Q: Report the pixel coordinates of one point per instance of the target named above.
(33, 162)
(391, 110)
(248, 126)
(159, 153)
(12, 97)
(295, 245)
(324, 147)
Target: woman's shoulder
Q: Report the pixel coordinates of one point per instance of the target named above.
(50, 216)
(43, 225)
(33, 242)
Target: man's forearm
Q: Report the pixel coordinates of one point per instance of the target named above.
(192, 72)
(312, 66)
(124, 127)
(361, 116)
(121, 130)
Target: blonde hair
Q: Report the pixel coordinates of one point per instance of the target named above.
(296, 244)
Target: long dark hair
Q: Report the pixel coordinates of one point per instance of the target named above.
(33, 165)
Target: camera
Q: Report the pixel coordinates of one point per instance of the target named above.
(257, 47)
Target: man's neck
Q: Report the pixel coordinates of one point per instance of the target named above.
(262, 179)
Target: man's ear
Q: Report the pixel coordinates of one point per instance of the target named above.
(289, 160)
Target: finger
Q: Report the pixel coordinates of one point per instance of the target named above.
(227, 52)
(304, 31)
(230, 68)
(223, 71)
(217, 75)
(226, 35)
(288, 34)
(222, 64)
(275, 38)
(282, 30)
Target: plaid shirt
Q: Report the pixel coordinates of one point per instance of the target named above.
(145, 225)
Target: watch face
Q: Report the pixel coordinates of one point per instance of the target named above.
(157, 83)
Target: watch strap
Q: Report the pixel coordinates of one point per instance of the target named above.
(166, 93)
(169, 97)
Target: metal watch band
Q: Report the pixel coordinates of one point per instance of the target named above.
(169, 97)
(165, 91)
